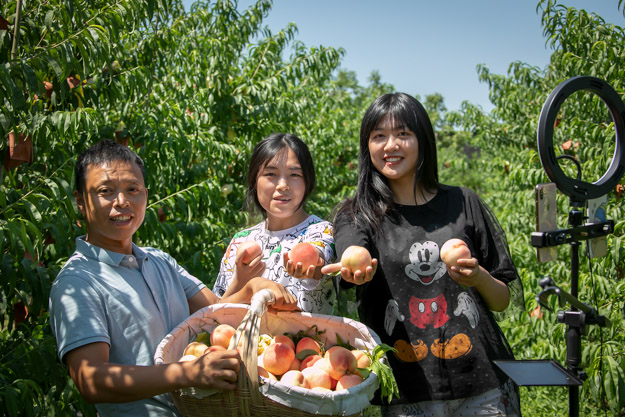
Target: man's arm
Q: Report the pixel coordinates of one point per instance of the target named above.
(100, 381)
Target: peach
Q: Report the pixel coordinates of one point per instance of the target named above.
(277, 358)
(309, 361)
(308, 343)
(295, 365)
(282, 338)
(195, 348)
(341, 361)
(356, 258)
(264, 373)
(187, 358)
(348, 381)
(222, 334)
(320, 389)
(294, 378)
(305, 253)
(317, 377)
(215, 348)
(248, 250)
(362, 359)
(454, 249)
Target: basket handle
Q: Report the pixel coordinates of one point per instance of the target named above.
(247, 335)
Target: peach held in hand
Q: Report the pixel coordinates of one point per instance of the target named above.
(356, 258)
(252, 250)
(454, 249)
(305, 253)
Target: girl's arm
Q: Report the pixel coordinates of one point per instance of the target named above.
(469, 273)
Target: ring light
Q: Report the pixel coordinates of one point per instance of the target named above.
(575, 188)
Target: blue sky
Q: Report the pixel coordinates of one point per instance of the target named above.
(428, 46)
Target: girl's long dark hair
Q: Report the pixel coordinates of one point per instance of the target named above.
(374, 197)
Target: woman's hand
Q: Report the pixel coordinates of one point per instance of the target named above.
(356, 275)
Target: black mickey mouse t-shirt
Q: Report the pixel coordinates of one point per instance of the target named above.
(444, 334)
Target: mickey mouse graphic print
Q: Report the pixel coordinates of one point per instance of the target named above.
(444, 334)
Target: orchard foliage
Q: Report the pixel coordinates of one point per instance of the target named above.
(508, 168)
(193, 92)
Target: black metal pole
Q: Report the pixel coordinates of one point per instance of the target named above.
(573, 336)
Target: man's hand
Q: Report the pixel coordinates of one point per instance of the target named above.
(217, 370)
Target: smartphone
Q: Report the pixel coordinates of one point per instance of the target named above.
(546, 221)
(595, 210)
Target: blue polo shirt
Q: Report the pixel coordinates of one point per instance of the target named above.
(129, 302)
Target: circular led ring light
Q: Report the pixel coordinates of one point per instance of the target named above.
(574, 188)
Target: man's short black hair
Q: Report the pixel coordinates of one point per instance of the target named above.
(104, 152)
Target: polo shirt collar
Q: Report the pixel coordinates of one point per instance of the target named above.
(105, 256)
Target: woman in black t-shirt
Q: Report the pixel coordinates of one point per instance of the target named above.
(437, 317)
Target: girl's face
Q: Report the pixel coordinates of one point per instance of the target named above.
(280, 188)
(394, 153)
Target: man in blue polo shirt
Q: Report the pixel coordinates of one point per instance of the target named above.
(113, 302)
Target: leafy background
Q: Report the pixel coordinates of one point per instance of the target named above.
(193, 92)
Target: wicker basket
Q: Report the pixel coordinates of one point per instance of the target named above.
(256, 396)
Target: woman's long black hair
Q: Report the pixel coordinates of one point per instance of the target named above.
(374, 197)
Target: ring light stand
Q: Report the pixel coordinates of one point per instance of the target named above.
(578, 191)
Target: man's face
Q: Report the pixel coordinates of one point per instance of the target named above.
(113, 203)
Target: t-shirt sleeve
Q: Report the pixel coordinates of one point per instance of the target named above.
(190, 283)
(226, 270)
(492, 243)
(77, 314)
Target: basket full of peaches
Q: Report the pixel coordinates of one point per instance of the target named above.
(295, 363)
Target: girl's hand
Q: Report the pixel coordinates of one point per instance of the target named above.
(284, 299)
(357, 277)
(467, 272)
(249, 263)
(298, 271)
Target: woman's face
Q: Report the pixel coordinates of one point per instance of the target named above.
(394, 152)
(280, 188)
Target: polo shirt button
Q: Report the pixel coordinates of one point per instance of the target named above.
(131, 259)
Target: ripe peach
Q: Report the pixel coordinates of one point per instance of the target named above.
(195, 348)
(265, 373)
(309, 361)
(187, 358)
(248, 250)
(295, 365)
(454, 249)
(348, 381)
(282, 338)
(317, 377)
(362, 359)
(308, 343)
(356, 258)
(305, 253)
(320, 389)
(215, 348)
(277, 358)
(341, 360)
(295, 378)
(222, 334)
